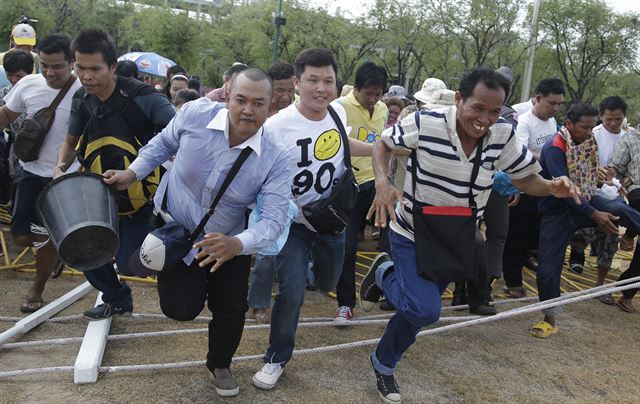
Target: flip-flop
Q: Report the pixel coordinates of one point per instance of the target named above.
(606, 299)
(626, 244)
(28, 301)
(546, 328)
(625, 306)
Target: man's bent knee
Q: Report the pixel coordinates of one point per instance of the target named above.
(179, 311)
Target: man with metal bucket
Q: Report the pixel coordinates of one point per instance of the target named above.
(111, 117)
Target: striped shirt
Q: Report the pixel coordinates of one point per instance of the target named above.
(444, 171)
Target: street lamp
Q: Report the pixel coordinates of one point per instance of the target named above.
(279, 20)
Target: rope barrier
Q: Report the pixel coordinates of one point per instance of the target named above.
(150, 334)
(570, 298)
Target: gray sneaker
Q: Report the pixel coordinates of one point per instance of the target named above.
(225, 384)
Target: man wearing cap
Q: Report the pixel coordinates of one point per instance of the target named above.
(397, 91)
(425, 94)
(23, 36)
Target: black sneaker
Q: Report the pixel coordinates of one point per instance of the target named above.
(483, 310)
(370, 293)
(106, 310)
(387, 387)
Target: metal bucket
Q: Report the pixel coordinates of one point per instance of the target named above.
(80, 212)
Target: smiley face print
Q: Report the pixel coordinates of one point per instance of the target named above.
(365, 136)
(327, 145)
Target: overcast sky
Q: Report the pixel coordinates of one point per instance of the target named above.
(359, 7)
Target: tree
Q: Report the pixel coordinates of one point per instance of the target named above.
(590, 42)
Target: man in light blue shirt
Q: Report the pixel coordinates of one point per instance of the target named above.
(206, 139)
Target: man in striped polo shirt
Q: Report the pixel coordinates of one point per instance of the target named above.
(445, 143)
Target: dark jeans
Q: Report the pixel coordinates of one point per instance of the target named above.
(524, 228)
(477, 290)
(496, 217)
(132, 232)
(346, 288)
(183, 293)
(634, 202)
(631, 272)
(555, 233)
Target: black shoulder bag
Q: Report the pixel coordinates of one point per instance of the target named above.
(331, 215)
(164, 248)
(445, 236)
(34, 129)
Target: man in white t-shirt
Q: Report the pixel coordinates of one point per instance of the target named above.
(534, 129)
(32, 93)
(612, 111)
(524, 107)
(316, 158)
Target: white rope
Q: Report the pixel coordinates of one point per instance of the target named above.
(115, 337)
(330, 348)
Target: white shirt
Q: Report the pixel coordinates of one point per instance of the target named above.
(523, 107)
(607, 142)
(533, 132)
(30, 95)
(316, 153)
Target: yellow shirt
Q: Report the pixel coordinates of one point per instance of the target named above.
(366, 128)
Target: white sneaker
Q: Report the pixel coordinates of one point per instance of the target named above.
(343, 316)
(268, 376)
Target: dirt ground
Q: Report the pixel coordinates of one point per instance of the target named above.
(593, 358)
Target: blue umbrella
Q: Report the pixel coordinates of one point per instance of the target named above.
(149, 62)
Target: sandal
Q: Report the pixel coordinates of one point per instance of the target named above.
(626, 243)
(545, 328)
(606, 299)
(261, 316)
(516, 292)
(31, 304)
(625, 305)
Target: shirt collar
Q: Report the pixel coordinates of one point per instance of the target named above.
(220, 122)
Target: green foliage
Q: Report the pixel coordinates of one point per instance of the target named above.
(583, 42)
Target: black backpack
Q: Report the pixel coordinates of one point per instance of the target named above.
(114, 133)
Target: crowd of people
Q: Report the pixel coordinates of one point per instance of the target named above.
(280, 143)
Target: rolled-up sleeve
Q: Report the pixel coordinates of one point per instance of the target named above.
(276, 192)
(404, 134)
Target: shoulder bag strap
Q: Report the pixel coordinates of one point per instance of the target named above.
(232, 173)
(474, 172)
(62, 93)
(343, 135)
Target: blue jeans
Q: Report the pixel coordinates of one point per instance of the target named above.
(261, 281)
(555, 233)
(416, 299)
(291, 271)
(132, 232)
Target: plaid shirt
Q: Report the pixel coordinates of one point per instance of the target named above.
(626, 158)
